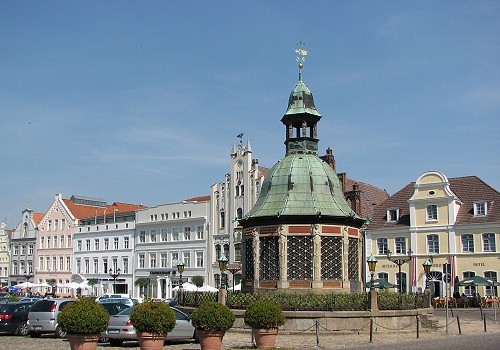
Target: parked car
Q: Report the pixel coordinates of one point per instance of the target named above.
(111, 295)
(114, 308)
(14, 317)
(4, 294)
(126, 301)
(42, 317)
(120, 328)
(32, 299)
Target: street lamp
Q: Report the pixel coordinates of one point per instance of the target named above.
(28, 275)
(372, 264)
(114, 275)
(233, 269)
(223, 266)
(180, 268)
(427, 268)
(399, 260)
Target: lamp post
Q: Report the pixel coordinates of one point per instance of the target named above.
(427, 268)
(399, 260)
(28, 275)
(180, 268)
(223, 266)
(114, 275)
(372, 264)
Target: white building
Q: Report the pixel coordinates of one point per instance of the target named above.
(4, 255)
(167, 234)
(231, 200)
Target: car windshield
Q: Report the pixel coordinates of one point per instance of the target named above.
(125, 312)
(4, 308)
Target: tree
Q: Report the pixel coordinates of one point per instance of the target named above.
(92, 282)
(52, 282)
(142, 283)
(198, 281)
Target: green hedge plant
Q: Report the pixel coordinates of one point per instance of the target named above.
(212, 316)
(264, 315)
(152, 317)
(84, 316)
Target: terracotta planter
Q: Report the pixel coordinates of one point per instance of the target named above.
(210, 340)
(151, 341)
(265, 338)
(83, 341)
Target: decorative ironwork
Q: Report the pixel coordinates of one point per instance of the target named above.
(269, 259)
(331, 258)
(353, 260)
(248, 266)
(300, 254)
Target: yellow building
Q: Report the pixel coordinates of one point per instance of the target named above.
(453, 221)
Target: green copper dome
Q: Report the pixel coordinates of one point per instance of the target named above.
(301, 185)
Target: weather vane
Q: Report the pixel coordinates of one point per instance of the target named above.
(302, 53)
(240, 136)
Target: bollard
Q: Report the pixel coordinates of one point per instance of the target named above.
(484, 319)
(317, 333)
(459, 328)
(371, 329)
(418, 327)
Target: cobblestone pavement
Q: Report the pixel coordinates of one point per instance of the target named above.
(473, 336)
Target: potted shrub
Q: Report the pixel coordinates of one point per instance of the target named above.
(152, 322)
(264, 318)
(211, 320)
(83, 321)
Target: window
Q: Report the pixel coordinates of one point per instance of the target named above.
(48, 243)
(125, 265)
(175, 259)
(96, 244)
(68, 263)
(25, 230)
(383, 276)
(49, 225)
(141, 261)
(492, 276)
(16, 250)
(163, 260)
(23, 250)
(226, 250)
(68, 241)
(152, 236)
(87, 244)
(217, 252)
(152, 260)
(239, 213)
(432, 243)
(78, 245)
(222, 219)
(142, 236)
(432, 213)
(187, 233)
(40, 262)
(30, 266)
(467, 243)
(63, 224)
(175, 234)
(480, 209)
(199, 259)
(237, 251)
(393, 214)
(47, 263)
(96, 266)
(56, 224)
(61, 242)
(489, 242)
(115, 264)
(126, 242)
(187, 259)
(106, 243)
(199, 232)
(54, 263)
(469, 290)
(400, 245)
(61, 263)
(382, 246)
(87, 266)
(401, 281)
(30, 249)
(164, 234)
(42, 241)
(105, 265)
(78, 266)
(115, 243)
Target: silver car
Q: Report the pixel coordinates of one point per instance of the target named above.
(120, 328)
(42, 317)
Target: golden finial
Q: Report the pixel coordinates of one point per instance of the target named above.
(301, 58)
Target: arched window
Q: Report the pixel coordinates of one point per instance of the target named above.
(25, 229)
(239, 213)
(469, 290)
(492, 276)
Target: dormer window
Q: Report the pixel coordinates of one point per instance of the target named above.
(432, 213)
(480, 208)
(393, 214)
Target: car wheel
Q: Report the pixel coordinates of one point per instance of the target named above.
(60, 333)
(22, 329)
(103, 339)
(116, 342)
(35, 335)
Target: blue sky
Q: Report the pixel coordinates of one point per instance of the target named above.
(141, 101)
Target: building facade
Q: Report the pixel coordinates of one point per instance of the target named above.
(231, 200)
(166, 235)
(22, 248)
(4, 255)
(452, 221)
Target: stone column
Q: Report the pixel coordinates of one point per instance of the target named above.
(316, 232)
(283, 253)
(345, 259)
(256, 257)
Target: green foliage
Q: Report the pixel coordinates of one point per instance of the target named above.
(92, 282)
(51, 282)
(392, 301)
(198, 281)
(84, 316)
(213, 316)
(153, 318)
(264, 315)
(13, 298)
(141, 282)
(196, 298)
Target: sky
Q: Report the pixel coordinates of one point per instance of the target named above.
(141, 101)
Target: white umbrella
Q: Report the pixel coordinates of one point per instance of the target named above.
(236, 287)
(72, 285)
(25, 285)
(188, 287)
(207, 288)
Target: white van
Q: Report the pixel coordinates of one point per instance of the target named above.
(112, 295)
